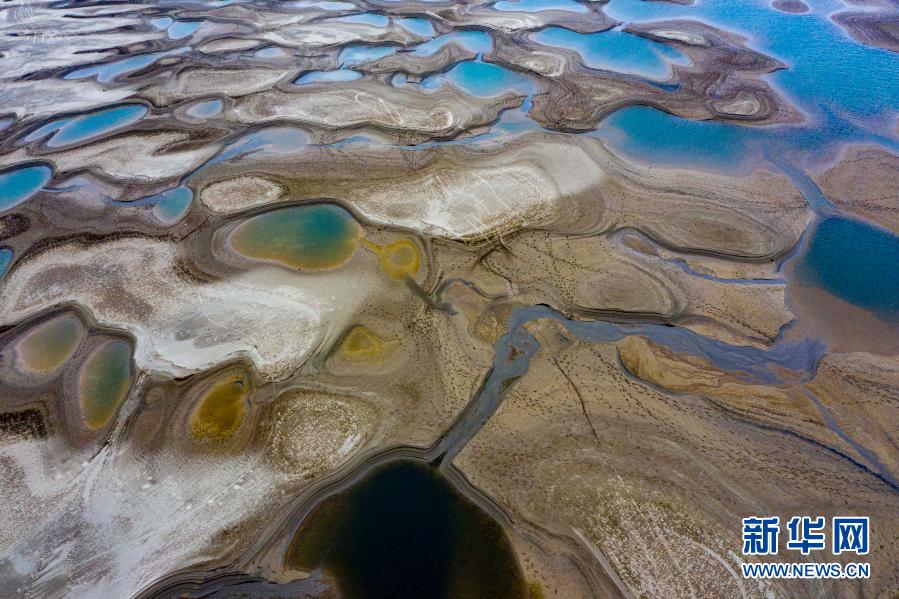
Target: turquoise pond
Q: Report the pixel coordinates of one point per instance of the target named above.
(180, 29)
(305, 237)
(5, 260)
(326, 5)
(171, 206)
(19, 184)
(481, 79)
(652, 135)
(76, 129)
(161, 22)
(104, 73)
(327, 76)
(269, 140)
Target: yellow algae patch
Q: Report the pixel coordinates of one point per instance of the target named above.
(48, 345)
(399, 259)
(221, 411)
(104, 381)
(361, 343)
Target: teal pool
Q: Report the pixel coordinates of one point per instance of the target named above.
(19, 184)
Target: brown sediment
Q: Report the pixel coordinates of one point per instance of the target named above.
(784, 407)
(440, 60)
(481, 15)
(657, 488)
(235, 83)
(560, 182)
(723, 81)
(444, 113)
(220, 411)
(256, 391)
(791, 6)
(859, 391)
(591, 277)
(190, 311)
(843, 326)
(875, 28)
(865, 182)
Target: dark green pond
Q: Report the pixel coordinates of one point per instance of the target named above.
(404, 531)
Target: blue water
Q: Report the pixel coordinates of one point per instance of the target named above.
(357, 54)
(615, 50)
(104, 73)
(421, 27)
(845, 86)
(19, 184)
(72, 130)
(515, 120)
(172, 205)
(656, 136)
(5, 260)
(856, 262)
(180, 29)
(481, 79)
(205, 110)
(271, 52)
(269, 140)
(327, 76)
(538, 5)
(475, 41)
(169, 206)
(161, 22)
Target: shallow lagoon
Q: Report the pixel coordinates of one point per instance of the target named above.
(103, 382)
(481, 79)
(48, 346)
(6, 256)
(76, 129)
(309, 237)
(19, 184)
(856, 262)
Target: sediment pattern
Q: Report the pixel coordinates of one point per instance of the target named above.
(251, 252)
